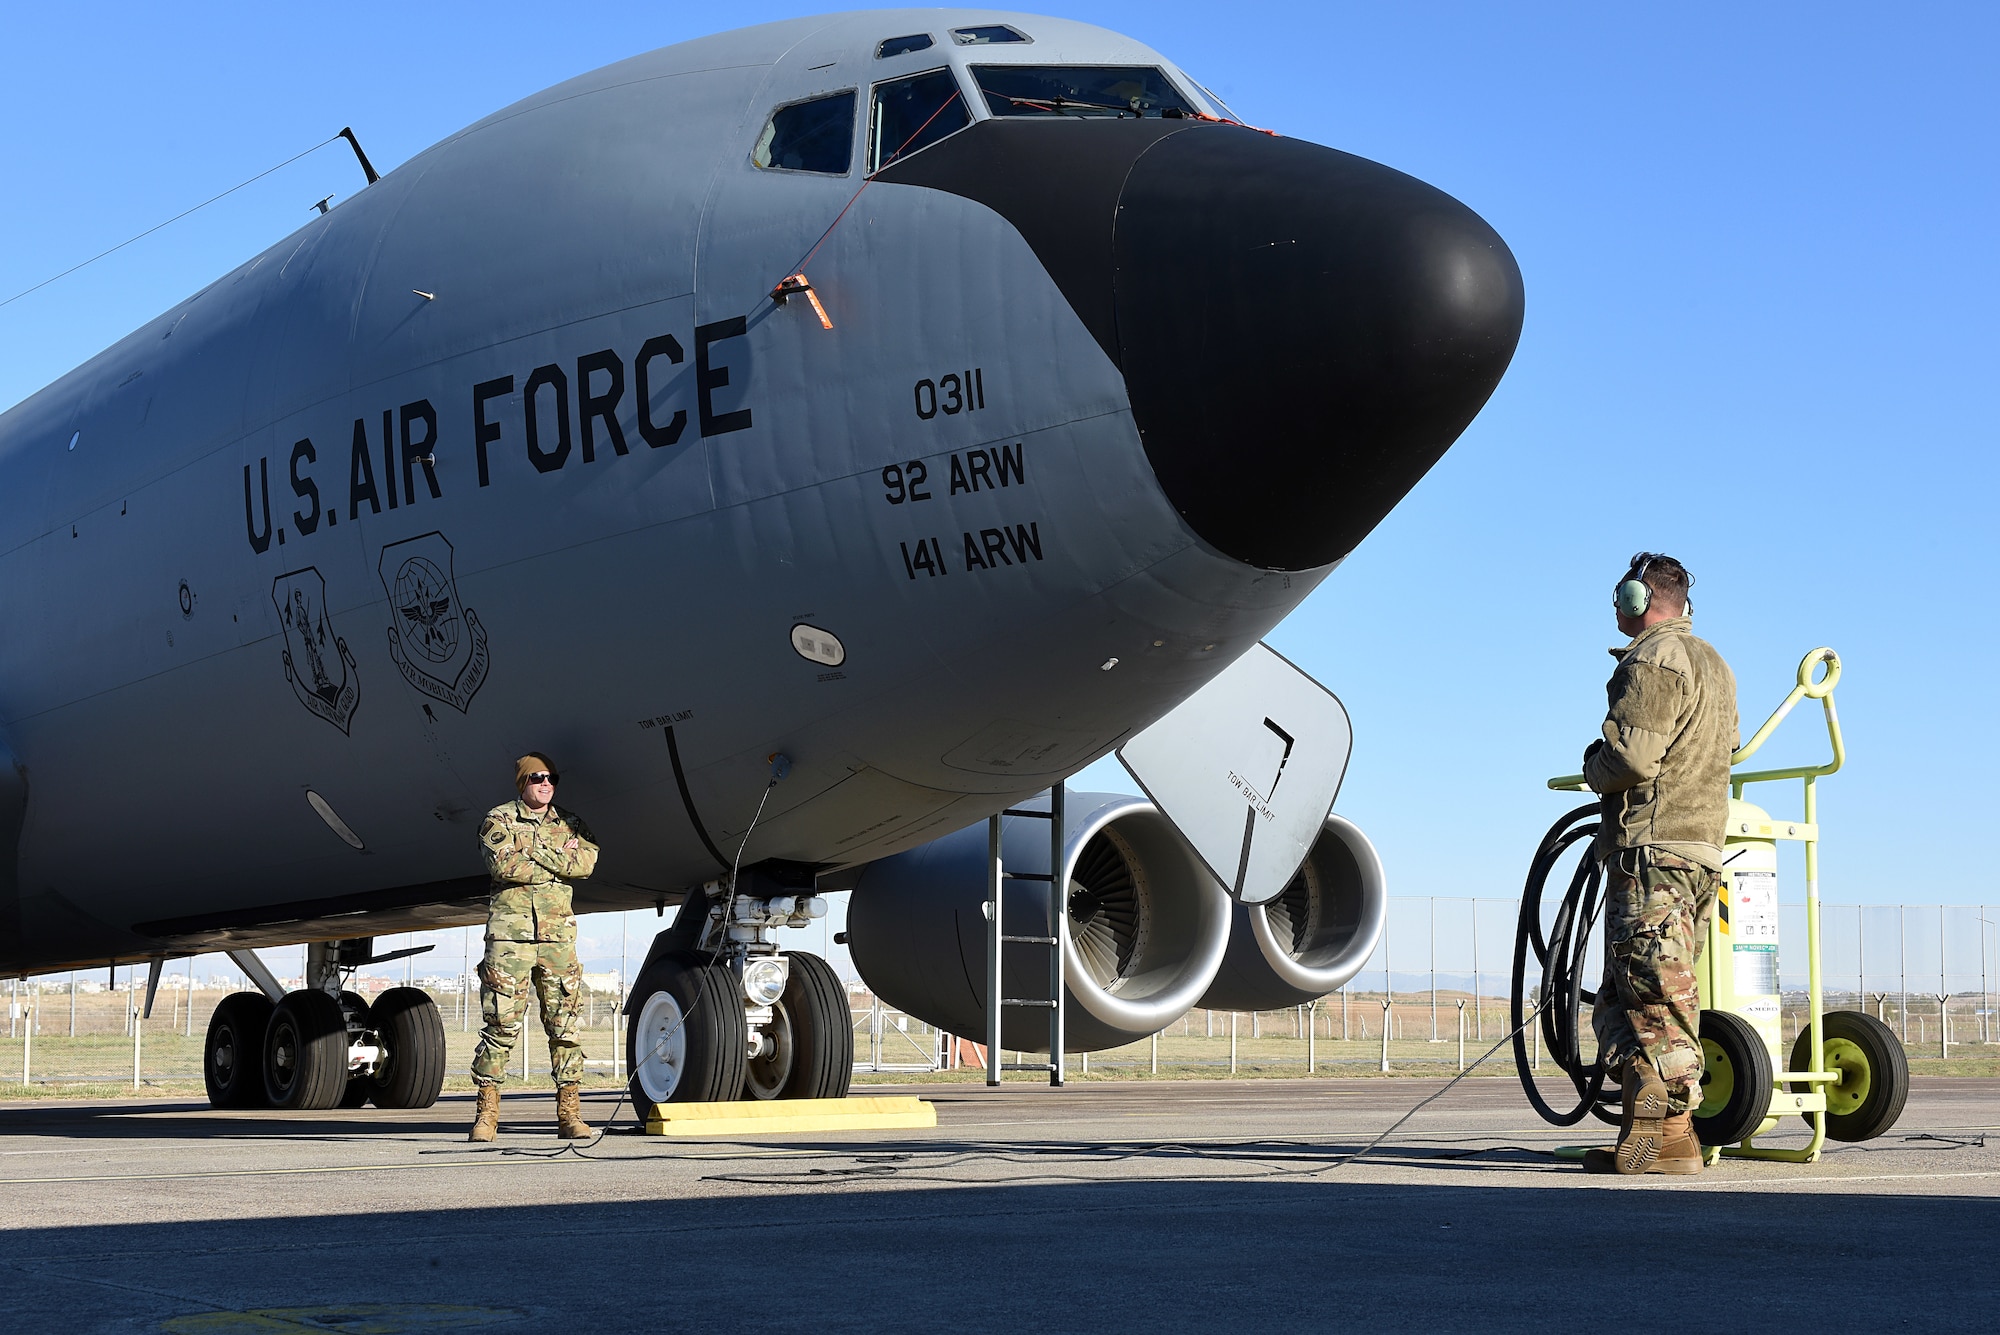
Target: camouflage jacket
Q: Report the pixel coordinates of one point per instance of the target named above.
(1663, 763)
(531, 871)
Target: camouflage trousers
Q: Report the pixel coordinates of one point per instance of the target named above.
(1656, 909)
(505, 975)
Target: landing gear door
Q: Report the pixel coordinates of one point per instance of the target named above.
(1247, 769)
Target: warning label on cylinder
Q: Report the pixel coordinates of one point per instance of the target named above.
(1753, 907)
(1756, 971)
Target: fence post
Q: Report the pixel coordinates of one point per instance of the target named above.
(1312, 1037)
(1860, 960)
(1944, 1015)
(1903, 971)
(1385, 1033)
(138, 1023)
(1534, 1028)
(1461, 1037)
(1232, 1042)
(1156, 1053)
(72, 1003)
(1478, 1014)
(1434, 968)
(28, 1037)
(1343, 1015)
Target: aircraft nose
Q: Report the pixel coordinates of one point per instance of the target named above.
(1303, 333)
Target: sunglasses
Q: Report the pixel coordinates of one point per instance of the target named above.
(543, 776)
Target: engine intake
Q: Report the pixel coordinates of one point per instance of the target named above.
(1148, 926)
(1313, 937)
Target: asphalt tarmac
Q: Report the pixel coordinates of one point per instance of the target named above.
(1128, 1206)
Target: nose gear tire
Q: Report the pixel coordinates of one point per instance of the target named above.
(688, 1041)
(1736, 1079)
(816, 1045)
(1874, 1071)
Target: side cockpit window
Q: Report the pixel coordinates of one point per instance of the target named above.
(902, 46)
(988, 34)
(1079, 90)
(913, 113)
(814, 136)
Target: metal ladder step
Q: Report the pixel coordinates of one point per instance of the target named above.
(998, 938)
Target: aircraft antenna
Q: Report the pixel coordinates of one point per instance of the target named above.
(367, 167)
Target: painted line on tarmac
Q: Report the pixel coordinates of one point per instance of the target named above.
(268, 1172)
(1839, 1181)
(463, 1160)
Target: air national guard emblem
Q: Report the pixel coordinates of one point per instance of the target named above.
(317, 662)
(436, 640)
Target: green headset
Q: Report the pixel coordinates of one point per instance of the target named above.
(1634, 595)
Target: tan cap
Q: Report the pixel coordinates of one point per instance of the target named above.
(532, 763)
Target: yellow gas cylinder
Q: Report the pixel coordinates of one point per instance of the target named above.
(1740, 964)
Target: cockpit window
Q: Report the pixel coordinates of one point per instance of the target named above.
(1078, 90)
(914, 113)
(991, 34)
(815, 136)
(902, 46)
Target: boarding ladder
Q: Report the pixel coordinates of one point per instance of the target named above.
(997, 938)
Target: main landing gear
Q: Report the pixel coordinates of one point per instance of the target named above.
(321, 1047)
(719, 1013)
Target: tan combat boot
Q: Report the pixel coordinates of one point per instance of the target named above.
(1680, 1151)
(1642, 1128)
(486, 1122)
(569, 1113)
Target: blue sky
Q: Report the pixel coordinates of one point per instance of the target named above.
(1760, 336)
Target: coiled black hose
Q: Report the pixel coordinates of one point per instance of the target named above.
(1561, 997)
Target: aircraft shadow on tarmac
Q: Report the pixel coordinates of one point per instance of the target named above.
(195, 1120)
(1106, 1256)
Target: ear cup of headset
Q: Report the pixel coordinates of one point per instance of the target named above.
(1634, 597)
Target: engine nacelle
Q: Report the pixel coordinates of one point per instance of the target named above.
(1148, 925)
(1312, 938)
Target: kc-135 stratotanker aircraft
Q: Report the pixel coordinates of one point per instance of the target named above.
(872, 419)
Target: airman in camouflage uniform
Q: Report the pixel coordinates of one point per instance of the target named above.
(1662, 768)
(533, 850)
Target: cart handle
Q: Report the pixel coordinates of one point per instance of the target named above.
(1805, 688)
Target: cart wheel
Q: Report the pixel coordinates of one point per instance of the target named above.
(1874, 1074)
(1735, 1079)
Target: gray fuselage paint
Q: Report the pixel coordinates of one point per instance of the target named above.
(275, 560)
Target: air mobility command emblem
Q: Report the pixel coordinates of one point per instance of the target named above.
(317, 662)
(436, 640)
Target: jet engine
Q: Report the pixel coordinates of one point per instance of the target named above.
(1314, 936)
(1148, 925)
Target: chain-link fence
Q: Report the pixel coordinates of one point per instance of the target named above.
(66, 1031)
(1442, 970)
(1440, 981)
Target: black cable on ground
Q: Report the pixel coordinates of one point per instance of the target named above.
(1562, 995)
